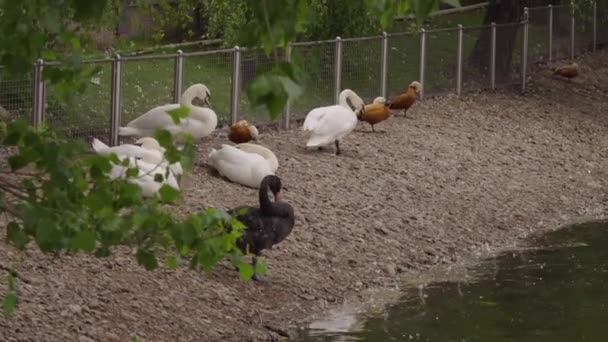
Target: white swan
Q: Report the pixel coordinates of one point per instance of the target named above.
(145, 178)
(199, 123)
(150, 151)
(241, 167)
(330, 124)
(263, 151)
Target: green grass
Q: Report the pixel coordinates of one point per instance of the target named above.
(149, 83)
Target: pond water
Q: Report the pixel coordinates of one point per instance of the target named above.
(556, 292)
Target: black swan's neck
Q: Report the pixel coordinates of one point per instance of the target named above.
(265, 203)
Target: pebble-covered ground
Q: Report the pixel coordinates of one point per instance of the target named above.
(458, 175)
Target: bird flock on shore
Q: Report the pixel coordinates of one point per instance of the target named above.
(248, 163)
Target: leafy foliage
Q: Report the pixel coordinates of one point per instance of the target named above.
(61, 198)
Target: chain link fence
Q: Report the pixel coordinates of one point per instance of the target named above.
(456, 59)
(16, 97)
(318, 61)
(214, 69)
(403, 61)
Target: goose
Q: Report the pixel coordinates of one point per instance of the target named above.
(266, 225)
(239, 166)
(199, 123)
(330, 124)
(146, 174)
(263, 151)
(147, 149)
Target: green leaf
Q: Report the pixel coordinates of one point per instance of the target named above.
(146, 259)
(10, 301)
(85, 9)
(292, 88)
(18, 161)
(16, 235)
(171, 262)
(50, 19)
(179, 113)
(15, 132)
(84, 240)
(246, 271)
(164, 138)
(132, 172)
(168, 194)
(260, 267)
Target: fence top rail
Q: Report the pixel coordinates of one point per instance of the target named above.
(210, 52)
(148, 57)
(400, 34)
(360, 39)
(443, 29)
(509, 24)
(475, 28)
(538, 8)
(317, 42)
(84, 61)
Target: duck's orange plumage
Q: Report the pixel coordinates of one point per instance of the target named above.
(569, 70)
(407, 99)
(242, 132)
(376, 112)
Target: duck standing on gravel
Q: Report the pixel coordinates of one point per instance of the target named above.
(267, 225)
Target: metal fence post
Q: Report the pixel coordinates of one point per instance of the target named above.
(116, 99)
(493, 55)
(524, 50)
(422, 60)
(594, 39)
(236, 82)
(459, 61)
(38, 98)
(572, 32)
(338, 68)
(384, 66)
(287, 112)
(550, 33)
(178, 78)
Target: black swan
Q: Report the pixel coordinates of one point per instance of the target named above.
(267, 225)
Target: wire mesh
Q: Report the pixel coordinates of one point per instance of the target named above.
(362, 67)
(538, 34)
(583, 40)
(16, 97)
(145, 84)
(253, 62)
(476, 46)
(561, 32)
(602, 24)
(508, 53)
(403, 62)
(85, 115)
(441, 61)
(318, 63)
(215, 71)
(147, 81)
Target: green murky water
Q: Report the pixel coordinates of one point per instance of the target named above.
(558, 292)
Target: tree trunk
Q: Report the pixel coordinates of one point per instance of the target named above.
(499, 12)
